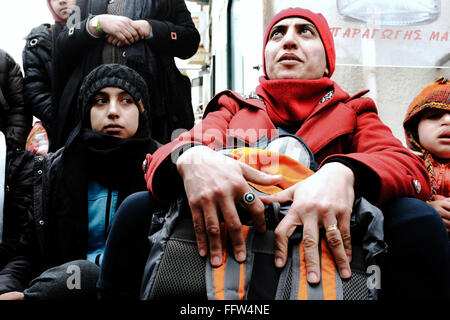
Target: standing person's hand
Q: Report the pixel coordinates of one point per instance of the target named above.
(13, 295)
(118, 29)
(213, 184)
(323, 199)
(142, 27)
(442, 206)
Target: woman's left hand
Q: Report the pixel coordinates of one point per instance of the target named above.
(324, 199)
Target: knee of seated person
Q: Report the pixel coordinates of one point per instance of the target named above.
(406, 211)
(75, 280)
(134, 205)
(415, 225)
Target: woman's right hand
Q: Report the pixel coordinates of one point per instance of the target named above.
(213, 183)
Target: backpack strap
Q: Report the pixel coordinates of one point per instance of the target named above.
(230, 281)
(2, 180)
(293, 284)
(240, 281)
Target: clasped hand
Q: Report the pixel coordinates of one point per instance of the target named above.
(214, 183)
(120, 30)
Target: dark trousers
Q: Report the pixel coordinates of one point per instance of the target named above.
(416, 267)
(74, 280)
(127, 248)
(418, 261)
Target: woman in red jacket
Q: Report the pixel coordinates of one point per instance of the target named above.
(356, 152)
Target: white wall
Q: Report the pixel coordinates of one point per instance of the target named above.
(218, 42)
(17, 18)
(247, 32)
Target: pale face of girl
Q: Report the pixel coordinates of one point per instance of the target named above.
(63, 8)
(114, 112)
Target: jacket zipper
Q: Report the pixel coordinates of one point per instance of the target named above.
(107, 213)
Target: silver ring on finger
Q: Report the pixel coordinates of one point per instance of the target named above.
(249, 198)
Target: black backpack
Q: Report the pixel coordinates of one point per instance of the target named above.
(175, 270)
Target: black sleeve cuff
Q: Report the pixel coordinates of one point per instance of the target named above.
(170, 184)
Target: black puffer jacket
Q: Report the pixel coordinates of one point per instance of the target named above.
(16, 249)
(15, 116)
(61, 183)
(37, 66)
(174, 35)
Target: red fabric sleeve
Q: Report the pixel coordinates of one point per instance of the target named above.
(161, 174)
(401, 173)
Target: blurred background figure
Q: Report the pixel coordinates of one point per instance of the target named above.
(38, 70)
(15, 116)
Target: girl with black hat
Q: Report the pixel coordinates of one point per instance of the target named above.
(80, 186)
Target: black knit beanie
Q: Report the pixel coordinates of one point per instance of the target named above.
(112, 75)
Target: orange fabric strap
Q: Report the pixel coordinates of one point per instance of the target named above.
(326, 289)
(225, 282)
(272, 163)
(328, 272)
(219, 272)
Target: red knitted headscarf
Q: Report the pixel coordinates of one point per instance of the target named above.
(290, 101)
(321, 24)
(55, 16)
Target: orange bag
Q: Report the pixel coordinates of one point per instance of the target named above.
(37, 141)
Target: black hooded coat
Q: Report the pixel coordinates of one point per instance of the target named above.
(61, 178)
(15, 116)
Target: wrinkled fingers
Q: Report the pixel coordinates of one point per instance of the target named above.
(282, 233)
(310, 242)
(255, 206)
(336, 246)
(200, 231)
(233, 228)
(212, 227)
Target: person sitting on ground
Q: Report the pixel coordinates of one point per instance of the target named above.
(37, 64)
(81, 185)
(427, 129)
(16, 223)
(357, 156)
(15, 116)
